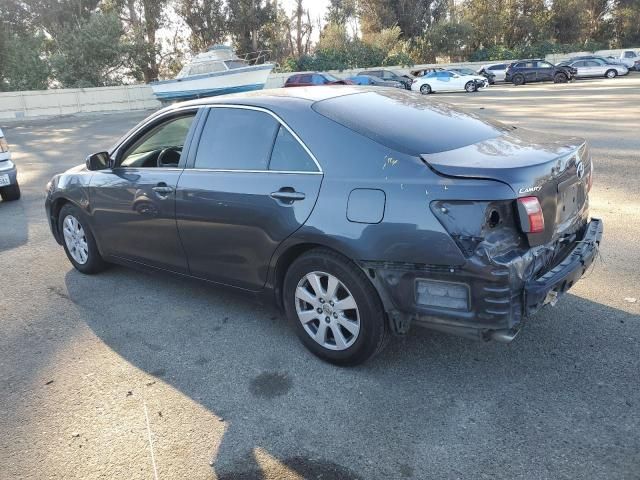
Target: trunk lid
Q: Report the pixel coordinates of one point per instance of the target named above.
(554, 169)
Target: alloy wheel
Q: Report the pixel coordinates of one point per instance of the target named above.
(75, 239)
(327, 311)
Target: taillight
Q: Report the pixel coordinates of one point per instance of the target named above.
(531, 217)
(4, 147)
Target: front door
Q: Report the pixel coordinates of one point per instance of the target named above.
(133, 204)
(544, 71)
(252, 185)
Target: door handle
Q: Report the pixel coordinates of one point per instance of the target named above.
(288, 195)
(163, 189)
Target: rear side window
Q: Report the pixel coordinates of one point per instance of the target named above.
(236, 139)
(304, 79)
(319, 80)
(289, 156)
(293, 79)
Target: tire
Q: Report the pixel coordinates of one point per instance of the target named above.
(470, 87)
(426, 89)
(10, 193)
(367, 324)
(611, 73)
(80, 240)
(560, 78)
(518, 80)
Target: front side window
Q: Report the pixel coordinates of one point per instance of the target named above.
(544, 65)
(289, 156)
(231, 64)
(164, 141)
(236, 139)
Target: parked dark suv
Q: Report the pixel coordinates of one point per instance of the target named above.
(527, 71)
(311, 79)
(390, 75)
(335, 203)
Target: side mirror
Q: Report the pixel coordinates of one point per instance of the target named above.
(98, 161)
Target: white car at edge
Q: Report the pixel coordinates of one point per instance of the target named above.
(447, 81)
(9, 189)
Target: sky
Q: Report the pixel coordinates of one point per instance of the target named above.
(316, 7)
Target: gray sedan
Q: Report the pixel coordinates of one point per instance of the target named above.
(595, 67)
(360, 211)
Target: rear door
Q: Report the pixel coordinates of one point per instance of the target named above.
(596, 68)
(249, 185)
(499, 71)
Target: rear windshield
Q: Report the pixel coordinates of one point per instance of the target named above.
(407, 122)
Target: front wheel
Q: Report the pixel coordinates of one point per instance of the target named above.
(78, 241)
(333, 307)
(425, 89)
(560, 78)
(470, 87)
(10, 193)
(611, 73)
(518, 80)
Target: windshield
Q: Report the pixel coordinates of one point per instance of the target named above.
(231, 64)
(465, 71)
(331, 78)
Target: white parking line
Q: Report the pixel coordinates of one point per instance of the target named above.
(153, 457)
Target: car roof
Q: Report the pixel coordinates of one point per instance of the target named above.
(273, 96)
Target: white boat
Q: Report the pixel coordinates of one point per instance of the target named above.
(217, 71)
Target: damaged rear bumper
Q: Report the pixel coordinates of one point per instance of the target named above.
(502, 290)
(549, 286)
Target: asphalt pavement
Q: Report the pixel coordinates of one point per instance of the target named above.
(139, 376)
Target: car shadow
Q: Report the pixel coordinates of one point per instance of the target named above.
(14, 225)
(420, 406)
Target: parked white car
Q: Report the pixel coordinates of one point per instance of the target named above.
(629, 59)
(498, 69)
(9, 189)
(447, 81)
(595, 67)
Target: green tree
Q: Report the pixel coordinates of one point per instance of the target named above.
(626, 21)
(24, 66)
(248, 21)
(207, 21)
(91, 54)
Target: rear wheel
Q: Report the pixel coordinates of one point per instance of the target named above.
(334, 308)
(518, 80)
(10, 193)
(78, 241)
(560, 78)
(611, 73)
(470, 87)
(425, 89)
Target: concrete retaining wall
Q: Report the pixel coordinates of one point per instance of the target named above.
(45, 103)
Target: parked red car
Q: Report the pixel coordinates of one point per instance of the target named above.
(314, 78)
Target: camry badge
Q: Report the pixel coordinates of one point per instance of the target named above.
(530, 189)
(579, 169)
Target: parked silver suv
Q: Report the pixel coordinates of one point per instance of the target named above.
(9, 189)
